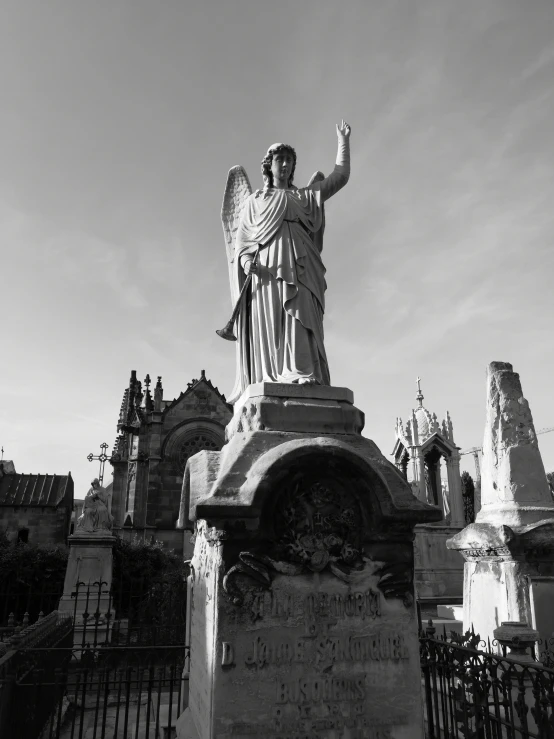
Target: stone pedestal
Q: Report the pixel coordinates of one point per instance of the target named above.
(509, 550)
(303, 617)
(87, 585)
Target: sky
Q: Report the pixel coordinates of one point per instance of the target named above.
(118, 123)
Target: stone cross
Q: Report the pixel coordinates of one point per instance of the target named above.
(103, 458)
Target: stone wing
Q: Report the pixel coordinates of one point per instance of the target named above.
(237, 192)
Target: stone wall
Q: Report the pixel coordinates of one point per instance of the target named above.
(439, 572)
(47, 526)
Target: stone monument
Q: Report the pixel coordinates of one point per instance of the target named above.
(509, 550)
(303, 617)
(302, 614)
(88, 577)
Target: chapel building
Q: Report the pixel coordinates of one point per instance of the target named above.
(155, 439)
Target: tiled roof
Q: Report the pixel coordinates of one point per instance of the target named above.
(33, 490)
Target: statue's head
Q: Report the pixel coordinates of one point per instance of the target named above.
(267, 162)
(95, 483)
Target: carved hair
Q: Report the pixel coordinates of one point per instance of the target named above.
(268, 159)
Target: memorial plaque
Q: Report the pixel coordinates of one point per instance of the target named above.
(315, 657)
(312, 635)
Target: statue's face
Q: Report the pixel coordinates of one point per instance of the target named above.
(281, 167)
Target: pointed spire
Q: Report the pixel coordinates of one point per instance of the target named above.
(202, 374)
(148, 404)
(158, 394)
(419, 396)
(450, 427)
(138, 394)
(415, 430)
(132, 388)
(128, 402)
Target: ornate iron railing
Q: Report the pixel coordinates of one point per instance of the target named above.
(112, 663)
(473, 694)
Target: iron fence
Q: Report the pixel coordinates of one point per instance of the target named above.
(474, 694)
(108, 666)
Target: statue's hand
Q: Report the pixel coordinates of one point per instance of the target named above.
(343, 130)
(250, 268)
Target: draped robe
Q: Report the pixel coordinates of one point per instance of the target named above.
(280, 326)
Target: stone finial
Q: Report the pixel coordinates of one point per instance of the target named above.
(399, 428)
(139, 395)
(158, 394)
(148, 404)
(514, 482)
(415, 430)
(450, 427)
(419, 396)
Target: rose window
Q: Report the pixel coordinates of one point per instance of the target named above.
(194, 444)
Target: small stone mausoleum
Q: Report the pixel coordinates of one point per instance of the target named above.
(35, 508)
(424, 448)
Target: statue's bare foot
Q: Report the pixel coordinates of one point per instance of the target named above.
(308, 381)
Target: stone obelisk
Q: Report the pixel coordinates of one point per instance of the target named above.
(509, 550)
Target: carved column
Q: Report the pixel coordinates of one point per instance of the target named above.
(418, 470)
(404, 465)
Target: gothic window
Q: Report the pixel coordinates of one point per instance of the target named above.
(194, 443)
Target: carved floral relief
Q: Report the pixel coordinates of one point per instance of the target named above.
(318, 527)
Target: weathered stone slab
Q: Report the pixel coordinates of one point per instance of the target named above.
(439, 572)
(305, 409)
(316, 657)
(304, 392)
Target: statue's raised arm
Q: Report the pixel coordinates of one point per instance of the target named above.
(274, 239)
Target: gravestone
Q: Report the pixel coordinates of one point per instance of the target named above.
(88, 577)
(303, 619)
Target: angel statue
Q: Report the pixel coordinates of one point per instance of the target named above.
(274, 239)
